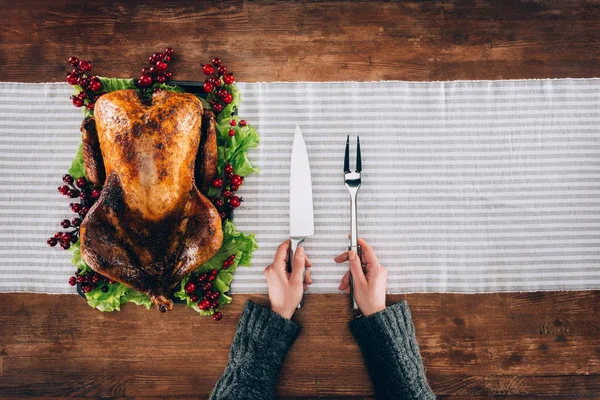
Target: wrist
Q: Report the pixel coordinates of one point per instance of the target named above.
(373, 310)
(287, 314)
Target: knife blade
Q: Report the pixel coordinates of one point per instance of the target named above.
(301, 201)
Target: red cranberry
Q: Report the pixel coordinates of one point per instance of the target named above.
(208, 87)
(231, 132)
(72, 79)
(194, 298)
(96, 278)
(228, 168)
(236, 180)
(51, 242)
(217, 316)
(235, 202)
(228, 79)
(215, 81)
(161, 66)
(208, 69)
(169, 51)
(73, 193)
(223, 214)
(207, 287)
(227, 193)
(243, 122)
(64, 190)
(204, 305)
(68, 179)
(214, 272)
(81, 182)
(85, 65)
(95, 86)
(73, 61)
(65, 245)
(218, 107)
(222, 70)
(216, 61)
(77, 102)
(82, 95)
(166, 59)
(203, 277)
(146, 71)
(96, 193)
(214, 304)
(168, 74)
(161, 79)
(217, 183)
(145, 81)
(214, 295)
(65, 223)
(219, 203)
(75, 207)
(233, 122)
(190, 287)
(228, 98)
(57, 235)
(90, 106)
(72, 281)
(76, 222)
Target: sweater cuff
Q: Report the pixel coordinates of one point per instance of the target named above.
(394, 321)
(265, 326)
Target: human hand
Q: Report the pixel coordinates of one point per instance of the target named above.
(285, 288)
(369, 285)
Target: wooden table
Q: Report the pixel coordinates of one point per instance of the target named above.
(504, 346)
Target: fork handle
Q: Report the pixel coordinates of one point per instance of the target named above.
(355, 310)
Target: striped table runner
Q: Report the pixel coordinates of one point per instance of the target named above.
(471, 186)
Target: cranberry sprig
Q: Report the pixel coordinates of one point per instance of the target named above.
(158, 71)
(229, 182)
(74, 188)
(90, 84)
(200, 290)
(90, 281)
(217, 98)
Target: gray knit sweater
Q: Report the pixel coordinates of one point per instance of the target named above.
(386, 339)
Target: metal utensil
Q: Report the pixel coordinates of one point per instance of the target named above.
(301, 201)
(352, 182)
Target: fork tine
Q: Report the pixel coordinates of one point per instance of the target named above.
(358, 158)
(347, 156)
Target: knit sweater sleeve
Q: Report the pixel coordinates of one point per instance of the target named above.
(261, 342)
(389, 346)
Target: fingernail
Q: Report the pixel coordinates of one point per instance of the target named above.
(351, 255)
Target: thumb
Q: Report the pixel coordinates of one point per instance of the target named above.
(356, 268)
(298, 266)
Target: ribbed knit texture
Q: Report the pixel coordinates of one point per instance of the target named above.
(261, 342)
(389, 346)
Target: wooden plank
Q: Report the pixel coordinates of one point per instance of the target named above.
(473, 345)
(272, 41)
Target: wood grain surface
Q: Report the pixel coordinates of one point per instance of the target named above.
(501, 346)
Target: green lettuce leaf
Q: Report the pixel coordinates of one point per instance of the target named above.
(112, 84)
(169, 88)
(77, 168)
(139, 298)
(109, 300)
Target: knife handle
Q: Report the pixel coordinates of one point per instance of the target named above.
(294, 243)
(355, 310)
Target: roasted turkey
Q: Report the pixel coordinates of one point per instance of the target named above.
(151, 226)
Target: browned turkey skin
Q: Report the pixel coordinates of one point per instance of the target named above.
(151, 225)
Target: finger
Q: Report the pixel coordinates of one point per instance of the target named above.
(347, 290)
(308, 278)
(345, 281)
(368, 254)
(281, 254)
(341, 258)
(297, 266)
(356, 268)
(307, 262)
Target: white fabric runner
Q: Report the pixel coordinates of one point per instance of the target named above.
(471, 186)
